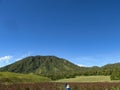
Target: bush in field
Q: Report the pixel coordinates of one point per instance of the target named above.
(115, 75)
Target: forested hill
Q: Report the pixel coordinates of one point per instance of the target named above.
(107, 69)
(50, 66)
(56, 68)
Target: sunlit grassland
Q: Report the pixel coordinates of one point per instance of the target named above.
(87, 79)
(20, 78)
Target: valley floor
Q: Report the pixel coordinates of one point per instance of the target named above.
(88, 79)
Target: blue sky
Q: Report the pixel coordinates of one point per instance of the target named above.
(86, 32)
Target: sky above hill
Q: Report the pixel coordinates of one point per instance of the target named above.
(86, 32)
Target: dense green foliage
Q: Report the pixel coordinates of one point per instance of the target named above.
(57, 68)
(112, 70)
(115, 75)
(8, 77)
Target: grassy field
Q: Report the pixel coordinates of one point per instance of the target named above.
(87, 79)
(13, 81)
(7, 77)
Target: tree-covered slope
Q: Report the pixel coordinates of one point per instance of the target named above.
(107, 69)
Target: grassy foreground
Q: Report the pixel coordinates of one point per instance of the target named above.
(8, 77)
(87, 79)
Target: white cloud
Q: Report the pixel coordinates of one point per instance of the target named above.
(5, 58)
(81, 65)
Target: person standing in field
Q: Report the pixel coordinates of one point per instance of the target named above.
(67, 86)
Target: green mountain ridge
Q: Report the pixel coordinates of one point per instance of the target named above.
(57, 68)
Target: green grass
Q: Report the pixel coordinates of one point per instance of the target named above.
(87, 79)
(8, 77)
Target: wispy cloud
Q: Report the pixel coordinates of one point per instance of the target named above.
(23, 56)
(84, 61)
(96, 60)
(6, 58)
(81, 65)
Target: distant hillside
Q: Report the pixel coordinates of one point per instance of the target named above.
(57, 68)
(50, 66)
(107, 69)
(110, 68)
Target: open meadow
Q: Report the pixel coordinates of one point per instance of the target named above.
(87, 79)
(78, 83)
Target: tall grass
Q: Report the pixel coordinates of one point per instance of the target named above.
(87, 79)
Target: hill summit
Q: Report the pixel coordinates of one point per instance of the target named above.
(50, 66)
